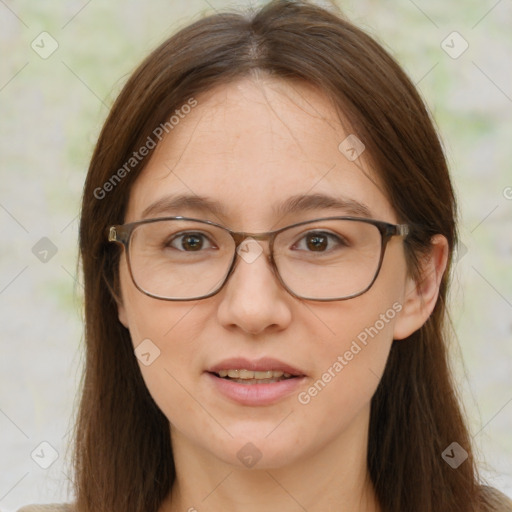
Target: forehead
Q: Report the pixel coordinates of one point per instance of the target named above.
(249, 146)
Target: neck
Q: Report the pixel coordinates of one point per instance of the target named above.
(334, 477)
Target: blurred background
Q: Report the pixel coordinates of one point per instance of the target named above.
(62, 64)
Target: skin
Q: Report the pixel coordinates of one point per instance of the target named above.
(250, 145)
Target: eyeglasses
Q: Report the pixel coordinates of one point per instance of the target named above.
(327, 259)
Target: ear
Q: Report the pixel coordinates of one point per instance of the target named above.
(420, 297)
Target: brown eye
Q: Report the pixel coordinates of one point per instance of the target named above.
(189, 242)
(318, 241)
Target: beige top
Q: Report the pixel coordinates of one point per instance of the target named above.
(496, 500)
(54, 507)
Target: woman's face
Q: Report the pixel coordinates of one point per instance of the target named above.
(250, 146)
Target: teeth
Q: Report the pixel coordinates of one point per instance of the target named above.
(249, 374)
(255, 381)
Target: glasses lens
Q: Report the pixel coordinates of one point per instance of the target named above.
(180, 259)
(323, 259)
(328, 259)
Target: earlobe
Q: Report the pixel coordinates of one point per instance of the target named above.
(420, 297)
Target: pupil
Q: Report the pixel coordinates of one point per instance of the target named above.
(192, 242)
(317, 242)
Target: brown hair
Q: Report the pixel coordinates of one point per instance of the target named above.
(123, 458)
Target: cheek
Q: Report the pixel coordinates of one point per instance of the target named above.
(165, 343)
(352, 351)
(179, 331)
(350, 364)
(335, 405)
(171, 370)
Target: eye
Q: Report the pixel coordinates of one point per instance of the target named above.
(320, 241)
(189, 242)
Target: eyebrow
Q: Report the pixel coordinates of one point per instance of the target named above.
(294, 204)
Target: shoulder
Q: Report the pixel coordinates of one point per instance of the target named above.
(494, 500)
(54, 507)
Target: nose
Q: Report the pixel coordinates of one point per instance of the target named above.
(253, 299)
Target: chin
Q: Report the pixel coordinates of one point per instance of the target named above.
(259, 452)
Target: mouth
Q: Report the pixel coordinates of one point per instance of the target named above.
(254, 377)
(255, 382)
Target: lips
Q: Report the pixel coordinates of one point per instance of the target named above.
(255, 382)
(246, 369)
(251, 377)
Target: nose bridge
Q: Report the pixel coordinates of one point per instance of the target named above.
(254, 249)
(240, 236)
(251, 300)
(252, 246)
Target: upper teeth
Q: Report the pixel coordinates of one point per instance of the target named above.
(249, 374)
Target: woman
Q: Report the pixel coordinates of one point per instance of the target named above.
(267, 231)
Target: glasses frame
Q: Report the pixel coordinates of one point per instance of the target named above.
(121, 234)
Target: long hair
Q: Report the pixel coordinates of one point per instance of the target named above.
(122, 453)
